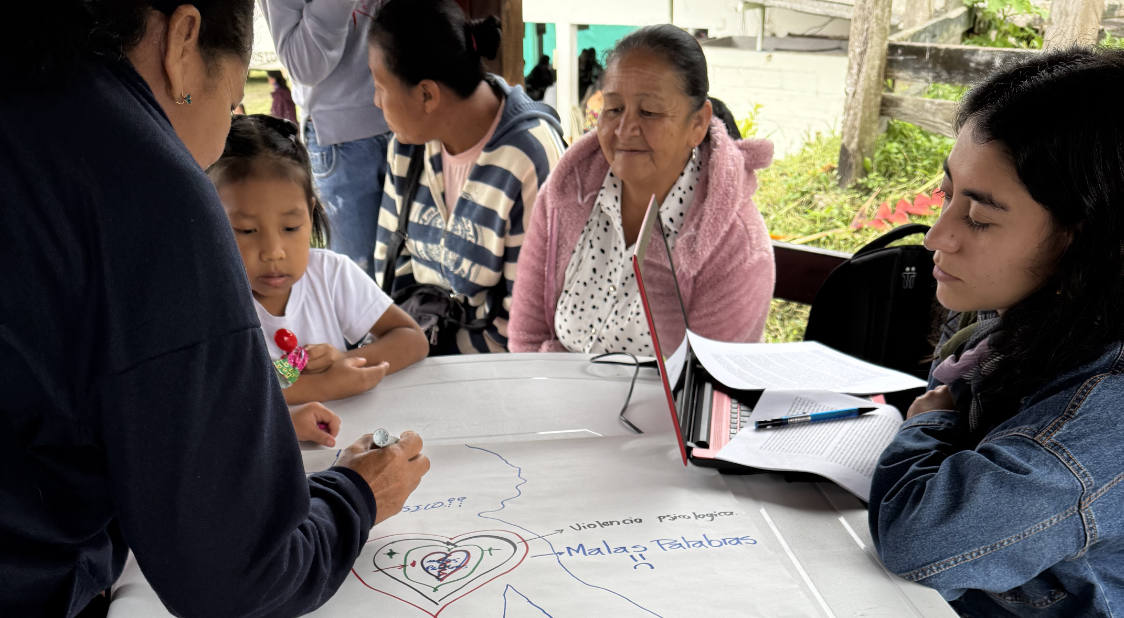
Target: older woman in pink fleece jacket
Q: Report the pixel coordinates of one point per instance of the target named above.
(575, 289)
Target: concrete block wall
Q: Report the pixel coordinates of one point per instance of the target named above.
(800, 93)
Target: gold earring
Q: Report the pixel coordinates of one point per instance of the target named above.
(184, 98)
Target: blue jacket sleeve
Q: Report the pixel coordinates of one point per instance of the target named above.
(309, 35)
(211, 491)
(956, 518)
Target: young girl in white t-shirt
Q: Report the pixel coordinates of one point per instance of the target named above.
(265, 182)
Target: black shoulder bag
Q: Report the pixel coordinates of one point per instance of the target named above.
(438, 311)
(880, 305)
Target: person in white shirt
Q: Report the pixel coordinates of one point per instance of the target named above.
(265, 184)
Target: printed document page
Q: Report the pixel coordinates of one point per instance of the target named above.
(844, 450)
(800, 365)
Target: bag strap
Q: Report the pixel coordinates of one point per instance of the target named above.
(895, 234)
(496, 295)
(398, 238)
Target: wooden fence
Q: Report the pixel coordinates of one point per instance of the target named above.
(918, 55)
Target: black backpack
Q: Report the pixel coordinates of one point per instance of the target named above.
(880, 305)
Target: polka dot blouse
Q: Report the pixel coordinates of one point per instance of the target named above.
(600, 309)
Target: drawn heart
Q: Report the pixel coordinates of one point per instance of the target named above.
(430, 571)
(442, 564)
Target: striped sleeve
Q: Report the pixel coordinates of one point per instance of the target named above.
(543, 147)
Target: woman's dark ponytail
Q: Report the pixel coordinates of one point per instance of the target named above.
(432, 39)
(483, 36)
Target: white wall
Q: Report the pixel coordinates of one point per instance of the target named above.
(719, 17)
(807, 99)
(731, 18)
(799, 93)
(604, 12)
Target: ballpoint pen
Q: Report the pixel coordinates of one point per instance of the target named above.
(812, 417)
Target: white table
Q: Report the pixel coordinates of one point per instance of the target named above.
(503, 397)
(816, 532)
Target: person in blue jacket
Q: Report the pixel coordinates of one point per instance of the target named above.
(1004, 488)
(138, 405)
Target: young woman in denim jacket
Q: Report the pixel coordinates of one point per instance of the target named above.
(1003, 488)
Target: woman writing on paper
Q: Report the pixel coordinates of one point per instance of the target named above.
(138, 406)
(575, 286)
(1003, 488)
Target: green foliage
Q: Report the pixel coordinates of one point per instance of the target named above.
(1013, 7)
(1113, 42)
(997, 24)
(946, 92)
(786, 321)
(801, 200)
(258, 98)
(749, 126)
(906, 155)
(798, 194)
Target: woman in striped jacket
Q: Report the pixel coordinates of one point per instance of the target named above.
(486, 148)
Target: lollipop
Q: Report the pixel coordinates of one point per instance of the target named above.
(293, 359)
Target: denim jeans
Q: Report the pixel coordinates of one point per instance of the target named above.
(349, 177)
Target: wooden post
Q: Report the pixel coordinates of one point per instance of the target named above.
(1073, 22)
(866, 61)
(511, 45)
(565, 62)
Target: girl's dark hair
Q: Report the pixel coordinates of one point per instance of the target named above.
(432, 39)
(1058, 118)
(50, 39)
(680, 50)
(279, 77)
(262, 145)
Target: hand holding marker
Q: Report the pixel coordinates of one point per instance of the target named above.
(812, 417)
(380, 438)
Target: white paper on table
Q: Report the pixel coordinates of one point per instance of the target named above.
(791, 366)
(584, 527)
(843, 450)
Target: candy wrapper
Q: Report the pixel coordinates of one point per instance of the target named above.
(293, 359)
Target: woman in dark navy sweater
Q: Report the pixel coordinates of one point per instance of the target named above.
(138, 407)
